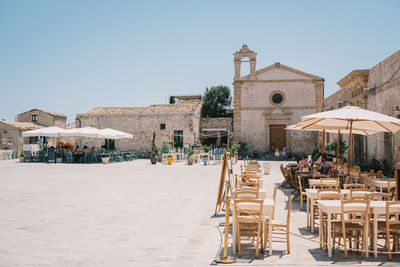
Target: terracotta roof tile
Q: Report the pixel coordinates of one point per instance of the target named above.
(182, 106)
(23, 125)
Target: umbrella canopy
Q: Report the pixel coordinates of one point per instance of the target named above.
(114, 134)
(351, 117)
(52, 131)
(88, 132)
(299, 126)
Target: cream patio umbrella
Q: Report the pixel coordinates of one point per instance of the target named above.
(351, 118)
(299, 126)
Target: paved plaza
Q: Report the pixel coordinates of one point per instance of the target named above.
(133, 214)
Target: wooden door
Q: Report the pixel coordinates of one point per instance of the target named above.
(277, 135)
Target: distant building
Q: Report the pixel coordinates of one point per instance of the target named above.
(179, 122)
(43, 118)
(270, 99)
(11, 134)
(376, 89)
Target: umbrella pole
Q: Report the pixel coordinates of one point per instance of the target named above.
(349, 148)
(337, 146)
(323, 141)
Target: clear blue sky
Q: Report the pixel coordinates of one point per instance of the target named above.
(69, 56)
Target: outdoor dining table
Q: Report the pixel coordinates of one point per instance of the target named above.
(268, 208)
(377, 208)
(312, 196)
(383, 183)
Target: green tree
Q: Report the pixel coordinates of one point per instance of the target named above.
(333, 146)
(216, 101)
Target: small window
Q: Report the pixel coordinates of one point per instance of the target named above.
(34, 118)
(277, 98)
(162, 126)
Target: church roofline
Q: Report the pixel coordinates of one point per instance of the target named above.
(279, 65)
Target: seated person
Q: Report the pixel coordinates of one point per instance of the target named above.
(85, 149)
(304, 162)
(324, 165)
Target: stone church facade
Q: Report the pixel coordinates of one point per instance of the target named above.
(268, 100)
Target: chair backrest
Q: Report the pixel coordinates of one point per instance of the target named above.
(249, 210)
(355, 211)
(329, 194)
(377, 196)
(392, 213)
(246, 193)
(352, 186)
(360, 193)
(330, 180)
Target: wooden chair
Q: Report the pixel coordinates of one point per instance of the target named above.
(249, 219)
(278, 231)
(353, 186)
(303, 194)
(285, 174)
(391, 226)
(353, 223)
(294, 184)
(360, 193)
(325, 194)
(267, 220)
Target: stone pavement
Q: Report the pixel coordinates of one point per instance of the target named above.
(131, 214)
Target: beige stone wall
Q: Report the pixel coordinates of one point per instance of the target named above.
(43, 118)
(385, 78)
(216, 123)
(141, 126)
(7, 131)
(382, 94)
(297, 94)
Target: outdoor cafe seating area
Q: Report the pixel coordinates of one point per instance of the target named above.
(354, 211)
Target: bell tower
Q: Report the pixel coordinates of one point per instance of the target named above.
(245, 52)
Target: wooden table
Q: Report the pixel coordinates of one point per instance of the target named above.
(377, 208)
(315, 182)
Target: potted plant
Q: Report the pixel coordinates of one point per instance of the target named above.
(206, 149)
(154, 151)
(21, 157)
(170, 158)
(234, 152)
(189, 158)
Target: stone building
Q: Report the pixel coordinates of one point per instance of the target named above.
(270, 99)
(376, 89)
(179, 122)
(43, 118)
(11, 134)
(216, 131)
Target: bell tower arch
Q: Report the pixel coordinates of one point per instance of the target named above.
(245, 52)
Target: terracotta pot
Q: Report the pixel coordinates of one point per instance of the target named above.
(105, 160)
(170, 159)
(159, 158)
(190, 161)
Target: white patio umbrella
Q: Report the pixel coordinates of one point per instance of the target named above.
(52, 131)
(114, 134)
(89, 132)
(349, 118)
